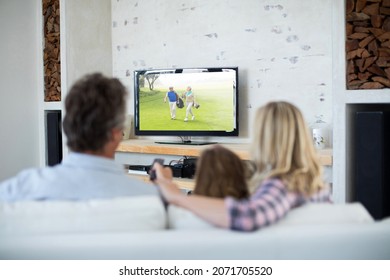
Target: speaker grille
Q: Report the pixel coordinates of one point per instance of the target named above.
(53, 138)
(372, 162)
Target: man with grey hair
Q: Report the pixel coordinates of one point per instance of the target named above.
(95, 114)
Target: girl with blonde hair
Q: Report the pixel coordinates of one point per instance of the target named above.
(287, 175)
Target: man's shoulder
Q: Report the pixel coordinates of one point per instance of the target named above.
(22, 185)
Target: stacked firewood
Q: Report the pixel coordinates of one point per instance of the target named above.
(368, 44)
(51, 52)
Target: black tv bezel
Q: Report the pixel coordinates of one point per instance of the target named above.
(201, 133)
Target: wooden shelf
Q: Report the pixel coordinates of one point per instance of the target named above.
(242, 150)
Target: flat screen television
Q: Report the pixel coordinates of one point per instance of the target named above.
(214, 110)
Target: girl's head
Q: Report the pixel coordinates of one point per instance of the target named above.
(220, 173)
(282, 147)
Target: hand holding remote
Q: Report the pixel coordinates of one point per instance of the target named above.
(152, 172)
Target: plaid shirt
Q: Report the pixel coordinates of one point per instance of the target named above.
(271, 202)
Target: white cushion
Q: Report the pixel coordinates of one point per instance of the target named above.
(180, 218)
(327, 213)
(308, 214)
(105, 215)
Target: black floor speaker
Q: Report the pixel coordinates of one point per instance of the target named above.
(53, 138)
(372, 162)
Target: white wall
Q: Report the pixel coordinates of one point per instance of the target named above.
(283, 49)
(88, 38)
(20, 90)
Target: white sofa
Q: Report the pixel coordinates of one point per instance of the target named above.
(140, 228)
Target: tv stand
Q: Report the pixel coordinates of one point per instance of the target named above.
(138, 150)
(186, 140)
(143, 152)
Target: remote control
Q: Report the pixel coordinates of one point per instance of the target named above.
(152, 172)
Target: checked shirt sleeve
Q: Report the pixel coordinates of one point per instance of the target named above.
(269, 204)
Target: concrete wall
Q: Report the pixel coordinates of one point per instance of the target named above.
(88, 38)
(283, 48)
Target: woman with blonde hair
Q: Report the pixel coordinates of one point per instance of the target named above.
(283, 148)
(288, 174)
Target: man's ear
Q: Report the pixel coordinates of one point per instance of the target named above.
(110, 147)
(117, 134)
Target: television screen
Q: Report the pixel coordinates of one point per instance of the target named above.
(186, 102)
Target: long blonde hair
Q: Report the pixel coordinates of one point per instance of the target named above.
(283, 148)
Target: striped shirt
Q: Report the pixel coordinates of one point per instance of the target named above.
(271, 202)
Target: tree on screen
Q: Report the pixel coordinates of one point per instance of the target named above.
(151, 78)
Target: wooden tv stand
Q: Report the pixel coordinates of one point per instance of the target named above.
(137, 147)
(142, 152)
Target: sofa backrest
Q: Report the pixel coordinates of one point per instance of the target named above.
(121, 214)
(308, 214)
(326, 213)
(126, 214)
